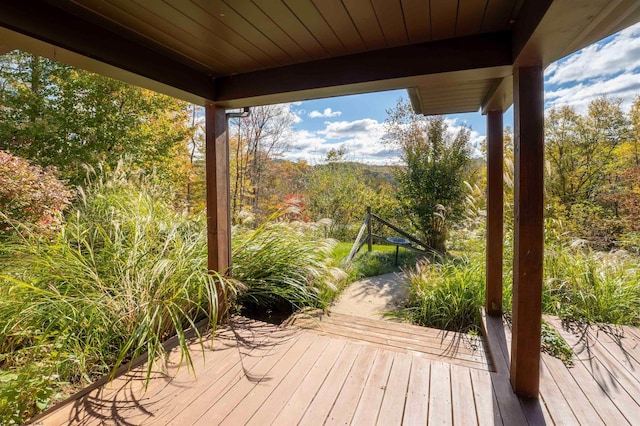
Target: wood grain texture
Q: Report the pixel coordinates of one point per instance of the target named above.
(417, 405)
(217, 191)
(392, 407)
(440, 402)
(528, 229)
(257, 373)
(417, 18)
(495, 219)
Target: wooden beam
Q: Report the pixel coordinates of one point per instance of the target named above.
(495, 201)
(106, 42)
(529, 19)
(499, 95)
(217, 172)
(528, 89)
(442, 56)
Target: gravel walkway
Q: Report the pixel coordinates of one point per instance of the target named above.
(371, 297)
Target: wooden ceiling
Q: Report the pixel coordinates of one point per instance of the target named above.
(237, 36)
(454, 55)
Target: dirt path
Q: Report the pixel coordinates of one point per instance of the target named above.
(371, 297)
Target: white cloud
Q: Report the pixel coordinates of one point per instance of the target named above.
(328, 112)
(366, 127)
(362, 140)
(624, 86)
(610, 68)
(620, 54)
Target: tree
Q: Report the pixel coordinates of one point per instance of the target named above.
(431, 178)
(258, 139)
(580, 149)
(31, 198)
(589, 157)
(57, 115)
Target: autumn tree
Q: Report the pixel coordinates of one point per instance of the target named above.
(431, 178)
(589, 156)
(58, 115)
(581, 149)
(32, 199)
(341, 190)
(256, 141)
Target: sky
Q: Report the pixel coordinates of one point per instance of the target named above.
(610, 67)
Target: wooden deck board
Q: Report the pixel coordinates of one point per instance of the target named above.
(486, 404)
(374, 390)
(464, 412)
(430, 344)
(609, 377)
(393, 402)
(555, 400)
(261, 374)
(319, 408)
(282, 392)
(347, 401)
(440, 395)
(248, 394)
(417, 405)
(447, 346)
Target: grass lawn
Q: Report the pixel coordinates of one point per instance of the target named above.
(380, 261)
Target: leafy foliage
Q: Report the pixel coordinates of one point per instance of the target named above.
(430, 182)
(258, 140)
(340, 190)
(554, 345)
(62, 116)
(447, 294)
(124, 273)
(31, 198)
(284, 263)
(24, 393)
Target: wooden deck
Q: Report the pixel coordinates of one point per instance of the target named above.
(602, 388)
(441, 345)
(260, 374)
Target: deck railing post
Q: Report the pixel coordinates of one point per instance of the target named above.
(369, 231)
(528, 93)
(495, 201)
(217, 192)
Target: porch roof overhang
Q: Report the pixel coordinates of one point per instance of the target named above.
(452, 56)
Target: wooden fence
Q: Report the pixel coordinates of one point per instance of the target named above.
(366, 231)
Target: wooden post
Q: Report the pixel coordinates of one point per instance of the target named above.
(528, 94)
(217, 171)
(495, 201)
(369, 233)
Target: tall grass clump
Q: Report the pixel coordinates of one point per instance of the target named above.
(446, 294)
(284, 265)
(124, 273)
(592, 286)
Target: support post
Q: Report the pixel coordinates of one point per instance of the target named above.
(217, 175)
(528, 92)
(369, 232)
(495, 201)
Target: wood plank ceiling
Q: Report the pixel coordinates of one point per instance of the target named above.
(238, 36)
(453, 55)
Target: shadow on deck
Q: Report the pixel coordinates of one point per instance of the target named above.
(260, 374)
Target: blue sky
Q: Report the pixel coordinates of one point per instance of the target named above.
(610, 67)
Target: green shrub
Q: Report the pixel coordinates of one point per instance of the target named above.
(283, 263)
(124, 273)
(446, 294)
(25, 392)
(31, 198)
(596, 287)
